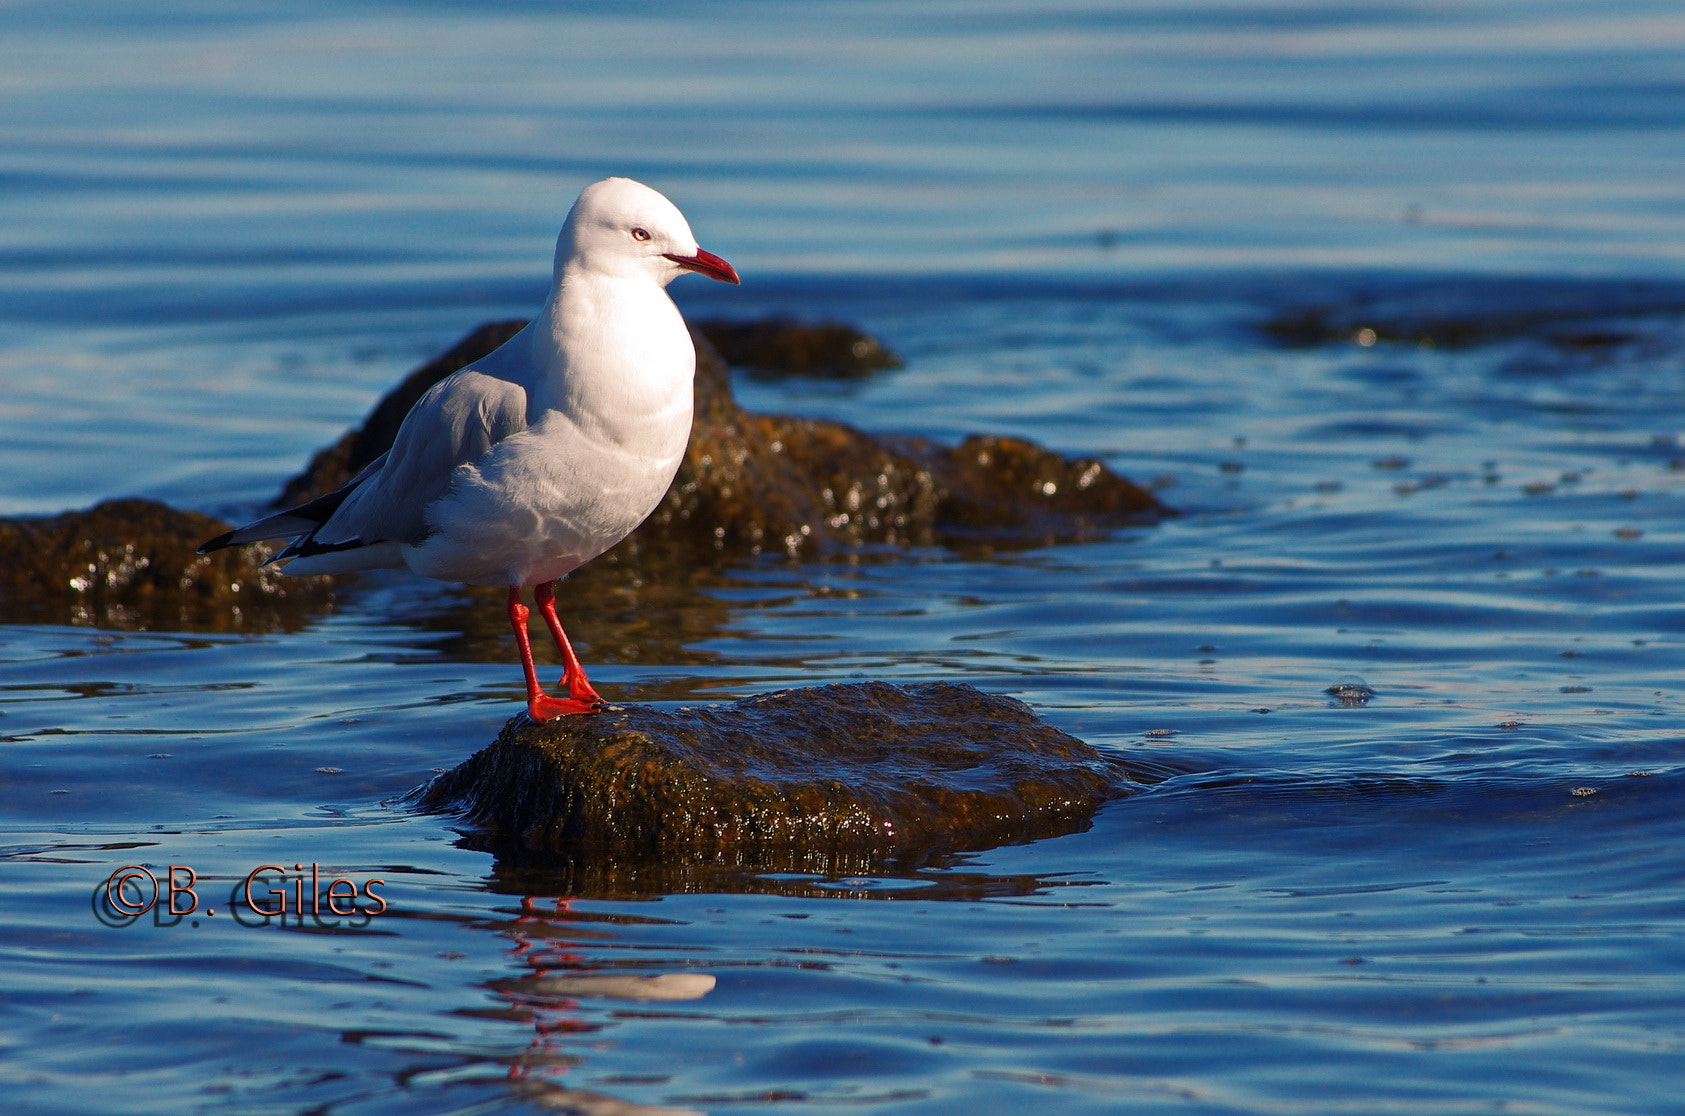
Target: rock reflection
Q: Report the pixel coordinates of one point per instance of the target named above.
(940, 879)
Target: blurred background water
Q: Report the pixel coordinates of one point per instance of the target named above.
(1386, 297)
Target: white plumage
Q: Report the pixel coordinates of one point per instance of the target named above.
(524, 466)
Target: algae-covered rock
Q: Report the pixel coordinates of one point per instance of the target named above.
(776, 347)
(131, 564)
(751, 483)
(840, 778)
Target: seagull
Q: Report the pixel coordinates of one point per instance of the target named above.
(520, 468)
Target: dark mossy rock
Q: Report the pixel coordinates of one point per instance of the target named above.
(1581, 320)
(1312, 326)
(777, 347)
(753, 482)
(840, 778)
(131, 564)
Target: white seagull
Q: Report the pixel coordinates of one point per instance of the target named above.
(522, 467)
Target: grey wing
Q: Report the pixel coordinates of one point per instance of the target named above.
(457, 421)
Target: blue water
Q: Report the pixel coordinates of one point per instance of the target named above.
(227, 230)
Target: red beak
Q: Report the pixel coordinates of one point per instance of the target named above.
(706, 263)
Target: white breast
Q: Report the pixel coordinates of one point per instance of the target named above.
(609, 416)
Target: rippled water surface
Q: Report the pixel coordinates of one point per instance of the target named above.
(1386, 300)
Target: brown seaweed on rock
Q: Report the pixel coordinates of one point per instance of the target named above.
(751, 483)
(829, 779)
(131, 564)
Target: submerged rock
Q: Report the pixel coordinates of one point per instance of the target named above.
(753, 482)
(131, 564)
(1587, 320)
(778, 347)
(1322, 325)
(841, 778)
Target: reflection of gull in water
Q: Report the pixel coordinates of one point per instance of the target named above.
(583, 1102)
(548, 997)
(622, 986)
(541, 1087)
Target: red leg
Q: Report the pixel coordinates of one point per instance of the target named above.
(573, 677)
(540, 705)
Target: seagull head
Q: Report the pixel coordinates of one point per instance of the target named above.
(623, 228)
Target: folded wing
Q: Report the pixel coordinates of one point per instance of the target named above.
(459, 419)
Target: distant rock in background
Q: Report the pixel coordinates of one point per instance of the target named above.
(779, 347)
(1585, 320)
(829, 779)
(131, 564)
(751, 483)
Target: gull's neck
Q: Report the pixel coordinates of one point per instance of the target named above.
(612, 351)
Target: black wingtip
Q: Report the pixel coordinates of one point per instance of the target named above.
(218, 543)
